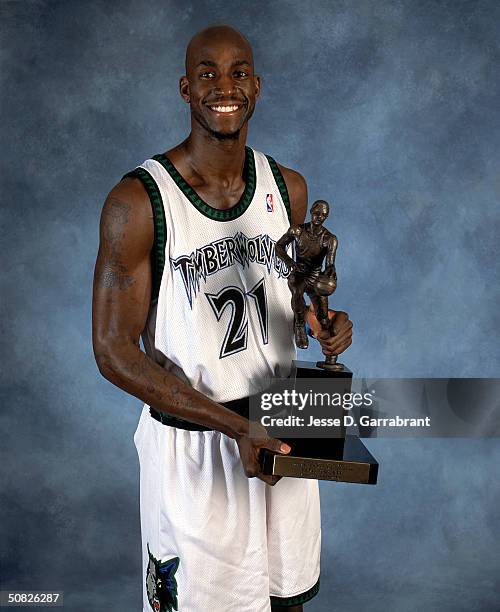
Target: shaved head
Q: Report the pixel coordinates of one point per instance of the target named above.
(220, 85)
(215, 34)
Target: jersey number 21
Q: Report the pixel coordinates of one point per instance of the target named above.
(236, 337)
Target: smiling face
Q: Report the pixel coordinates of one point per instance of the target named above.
(220, 85)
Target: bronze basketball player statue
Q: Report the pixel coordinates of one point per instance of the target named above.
(314, 244)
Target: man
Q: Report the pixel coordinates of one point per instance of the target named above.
(199, 280)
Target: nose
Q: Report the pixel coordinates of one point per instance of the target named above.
(225, 85)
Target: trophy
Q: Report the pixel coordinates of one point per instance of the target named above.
(312, 272)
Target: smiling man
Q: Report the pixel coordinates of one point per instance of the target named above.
(186, 260)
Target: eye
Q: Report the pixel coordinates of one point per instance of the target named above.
(241, 74)
(207, 75)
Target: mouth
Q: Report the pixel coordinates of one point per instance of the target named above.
(225, 108)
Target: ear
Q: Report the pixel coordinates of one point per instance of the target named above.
(256, 80)
(184, 88)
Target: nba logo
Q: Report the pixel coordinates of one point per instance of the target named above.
(269, 202)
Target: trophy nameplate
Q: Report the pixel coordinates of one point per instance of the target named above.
(357, 465)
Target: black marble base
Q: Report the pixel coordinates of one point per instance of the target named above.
(344, 459)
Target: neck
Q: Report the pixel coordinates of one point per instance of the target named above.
(210, 156)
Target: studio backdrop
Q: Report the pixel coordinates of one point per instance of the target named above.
(391, 112)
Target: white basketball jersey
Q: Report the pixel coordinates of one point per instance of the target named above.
(220, 314)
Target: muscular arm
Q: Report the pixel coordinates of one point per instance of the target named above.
(121, 300)
(120, 306)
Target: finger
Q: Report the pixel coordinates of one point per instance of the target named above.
(323, 335)
(340, 349)
(335, 332)
(345, 346)
(342, 327)
(341, 338)
(338, 343)
(332, 338)
(339, 317)
(334, 342)
(277, 446)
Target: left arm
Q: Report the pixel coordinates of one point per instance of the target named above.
(341, 325)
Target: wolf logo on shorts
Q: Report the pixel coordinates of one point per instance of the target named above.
(161, 585)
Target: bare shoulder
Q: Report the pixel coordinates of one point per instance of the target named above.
(131, 194)
(294, 180)
(297, 191)
(127, 214)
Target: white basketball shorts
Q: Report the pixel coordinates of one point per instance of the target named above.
(213, 539)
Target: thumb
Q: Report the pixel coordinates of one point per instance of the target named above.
(277, 446)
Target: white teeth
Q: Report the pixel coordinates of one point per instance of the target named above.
(224, 109)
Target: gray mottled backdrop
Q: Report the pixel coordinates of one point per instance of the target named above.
(391, 111)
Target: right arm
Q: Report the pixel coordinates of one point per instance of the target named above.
(120, 306)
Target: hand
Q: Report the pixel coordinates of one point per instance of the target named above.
(339, 335)
(249, 448)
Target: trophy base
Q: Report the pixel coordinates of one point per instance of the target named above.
(332, 367)
(310, 369)
(342, 459)
(356, 464)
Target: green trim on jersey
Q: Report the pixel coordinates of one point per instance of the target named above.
(158, 250)
(280, 182)
(213, 213)
(296, 600)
